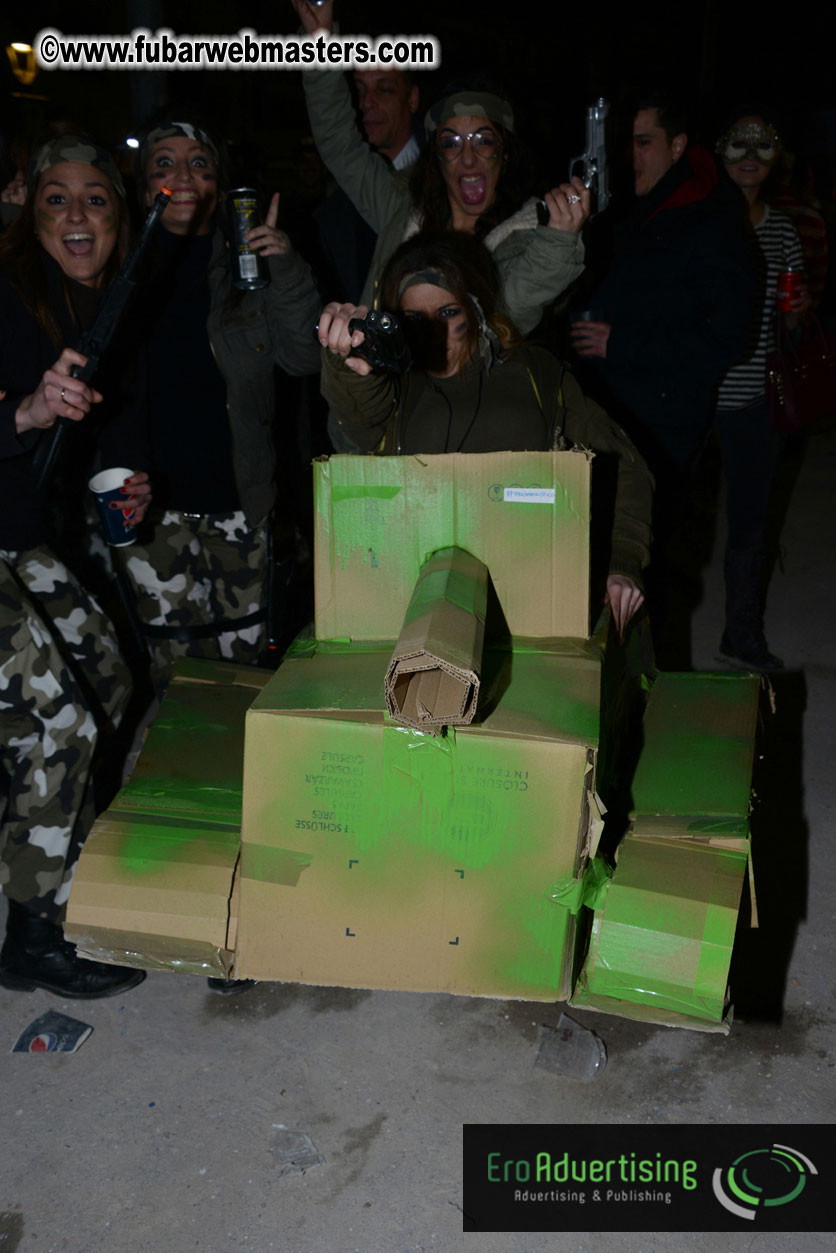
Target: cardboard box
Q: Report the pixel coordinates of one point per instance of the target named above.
(433, 675)
(524, 514)
(663, 930)
(154, 884)
(377, 856)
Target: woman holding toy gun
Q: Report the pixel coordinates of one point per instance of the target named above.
(470, 371)
(62, 681)
(466, 179)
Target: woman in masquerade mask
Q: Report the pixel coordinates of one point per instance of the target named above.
(470, 373)
(749, 149)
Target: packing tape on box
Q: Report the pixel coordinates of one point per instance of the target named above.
(631, 991)
(589, 890)
(283, 866)
(418, 785)
(151, 952)
(140, 825)
(664, 958)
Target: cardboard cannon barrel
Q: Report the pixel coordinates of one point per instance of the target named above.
(433, 676)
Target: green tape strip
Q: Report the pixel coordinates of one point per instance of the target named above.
(566, 646)
(620, 992)
(589, 891)
(720, 826)
(309, 647)
(169, 826)
(365, 491)
(273, 865)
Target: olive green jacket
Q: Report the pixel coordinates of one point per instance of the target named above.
(250, 334)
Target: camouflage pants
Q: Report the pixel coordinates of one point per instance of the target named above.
(62, 682)
(195, 571)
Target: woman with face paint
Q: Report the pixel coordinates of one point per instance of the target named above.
(470, 372)
(467, 179)
(63, 685)
(749, 148)
(200, 566)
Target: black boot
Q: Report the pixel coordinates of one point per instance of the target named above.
(230, 987)
(743, 644)
(36, 955)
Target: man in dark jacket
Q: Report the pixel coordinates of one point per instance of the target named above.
(676, 310)
(677, 303)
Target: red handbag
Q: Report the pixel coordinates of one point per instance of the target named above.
(801, 379)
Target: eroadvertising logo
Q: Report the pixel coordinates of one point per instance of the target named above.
(618, 1177)
(762, 1177)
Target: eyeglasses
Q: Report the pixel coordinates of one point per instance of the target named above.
(484, 143)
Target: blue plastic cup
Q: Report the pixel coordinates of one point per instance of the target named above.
(117, 524)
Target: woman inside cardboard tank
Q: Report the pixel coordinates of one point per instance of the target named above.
(474, 386)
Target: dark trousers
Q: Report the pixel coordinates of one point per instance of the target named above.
(750, 451)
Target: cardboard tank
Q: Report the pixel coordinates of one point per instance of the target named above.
(425, 779)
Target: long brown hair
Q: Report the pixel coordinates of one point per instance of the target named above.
(432, 199)
(21, 261)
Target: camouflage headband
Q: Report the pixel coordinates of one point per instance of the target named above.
(175, 130)
(77, 149)
(434, 277)
(470, 104)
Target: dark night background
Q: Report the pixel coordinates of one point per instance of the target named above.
(718, 54)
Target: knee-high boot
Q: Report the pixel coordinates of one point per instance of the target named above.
(743, 641)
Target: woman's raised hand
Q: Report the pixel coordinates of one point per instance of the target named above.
(267, 239)
(568, 205)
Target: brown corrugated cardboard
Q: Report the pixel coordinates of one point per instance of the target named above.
(433, 675)
(664, 926)
(525, 515)
(377, 856)
(153, 886)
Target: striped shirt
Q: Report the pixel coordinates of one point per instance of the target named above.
(779, 244)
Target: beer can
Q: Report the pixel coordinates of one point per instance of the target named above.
(789, 287)
(249, 270)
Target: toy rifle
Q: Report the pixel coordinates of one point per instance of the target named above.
(95, 341)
